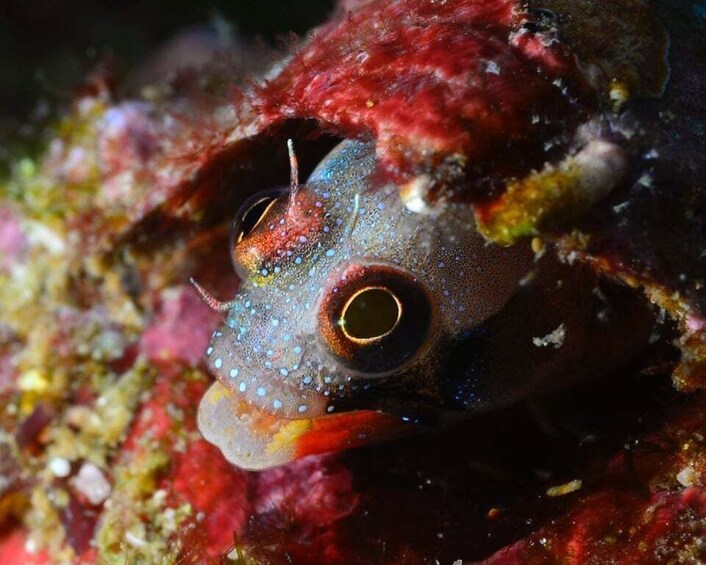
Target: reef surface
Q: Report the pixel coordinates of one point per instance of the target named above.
(101, 335)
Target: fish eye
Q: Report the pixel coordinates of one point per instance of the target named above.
(253, 212)
(376, 319)
(370, 314)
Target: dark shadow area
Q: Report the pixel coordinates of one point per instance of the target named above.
(466, 492)
(49, 47)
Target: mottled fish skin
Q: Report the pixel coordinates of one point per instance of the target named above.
(467, 313)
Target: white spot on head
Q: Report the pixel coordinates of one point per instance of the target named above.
(261, 391)
(218, 363)
(242, 387)
(233, 373)
(302, 408)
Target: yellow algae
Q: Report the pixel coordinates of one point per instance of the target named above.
(550, 197)
(138, 524)
(566, 488)
(93, 433)
(33, 381)
(619, 94)
(528, 204)
(43, 521)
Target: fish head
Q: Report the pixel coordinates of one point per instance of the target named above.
(349, 306)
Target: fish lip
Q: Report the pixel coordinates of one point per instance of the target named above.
(254, 440)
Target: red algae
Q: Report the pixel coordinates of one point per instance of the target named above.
(396, 82)
(168, 338)
(13, 550)
(658, 517)
(219, 497)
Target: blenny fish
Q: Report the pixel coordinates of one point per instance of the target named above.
(358, 318)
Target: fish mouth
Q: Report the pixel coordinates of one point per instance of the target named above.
(253, 439)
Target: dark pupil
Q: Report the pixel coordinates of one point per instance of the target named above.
(254, 215)
(372, 313)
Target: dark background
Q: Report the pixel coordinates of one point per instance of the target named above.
(47, 47)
